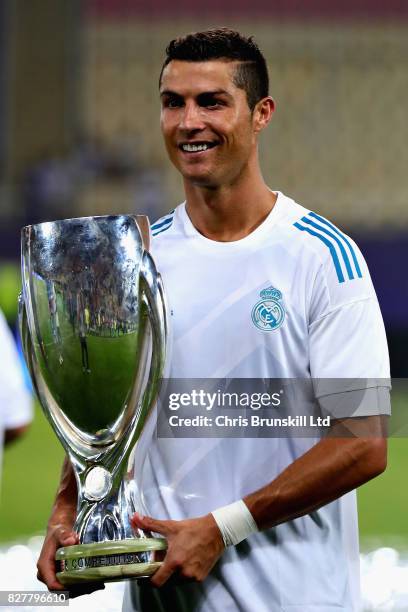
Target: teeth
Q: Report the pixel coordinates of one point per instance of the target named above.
(192, 148)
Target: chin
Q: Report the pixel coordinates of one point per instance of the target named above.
(205, 178)
(202, 180)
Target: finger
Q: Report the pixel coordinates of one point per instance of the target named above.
(46, 569)
(65, 537)
(54, 585)
(162, 574)
(46, 563)
(46, 574)
(151, 524)
(67, 541)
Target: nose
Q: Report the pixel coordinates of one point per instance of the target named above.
(191, 119)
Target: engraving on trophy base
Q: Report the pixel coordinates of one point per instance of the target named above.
(109, 561)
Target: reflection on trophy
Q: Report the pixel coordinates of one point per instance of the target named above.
(94, 329)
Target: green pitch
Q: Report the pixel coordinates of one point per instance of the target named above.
(31, 469)
(383, 502)
(32, 465)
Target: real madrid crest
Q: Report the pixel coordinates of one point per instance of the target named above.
(269, 313)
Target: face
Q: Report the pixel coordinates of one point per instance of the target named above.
(208, 128)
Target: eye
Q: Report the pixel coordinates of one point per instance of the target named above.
(172, 102)
(210, 101)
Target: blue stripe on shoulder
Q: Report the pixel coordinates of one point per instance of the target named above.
(343, 252)
(329, 245)
(163, 221)
(343, 237)
(162, 229)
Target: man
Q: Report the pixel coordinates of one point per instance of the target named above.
(259, 287)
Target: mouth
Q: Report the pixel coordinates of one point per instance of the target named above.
(197, 146)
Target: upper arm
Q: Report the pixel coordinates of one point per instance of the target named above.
(347, 340)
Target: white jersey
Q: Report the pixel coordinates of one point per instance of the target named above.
(293, 299)
(15, 399)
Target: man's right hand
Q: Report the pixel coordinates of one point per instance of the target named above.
(60, 533)
(57, 536)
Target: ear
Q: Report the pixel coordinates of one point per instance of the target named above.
(262, 113)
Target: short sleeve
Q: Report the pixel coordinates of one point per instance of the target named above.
(15, 399)
(347, 340)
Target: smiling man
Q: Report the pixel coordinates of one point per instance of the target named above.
(213, 110)
(259, 287)
(207, 120)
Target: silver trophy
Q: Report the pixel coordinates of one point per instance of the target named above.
(94, 329)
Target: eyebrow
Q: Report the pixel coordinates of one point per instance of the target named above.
(215, 92)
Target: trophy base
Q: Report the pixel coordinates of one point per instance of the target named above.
(109, 561)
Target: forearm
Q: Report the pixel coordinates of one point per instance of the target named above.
(330, 469)
(64, 509)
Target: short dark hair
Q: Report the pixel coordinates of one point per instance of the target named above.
(251, 73)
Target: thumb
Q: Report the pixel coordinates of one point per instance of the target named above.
(65, 537)
(151, 524)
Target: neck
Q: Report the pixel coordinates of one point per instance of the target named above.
(229, 212)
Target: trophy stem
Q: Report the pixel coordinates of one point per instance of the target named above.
(106, 519)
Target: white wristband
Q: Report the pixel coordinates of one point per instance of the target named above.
(235, 522)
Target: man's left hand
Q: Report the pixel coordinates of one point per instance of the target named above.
(193, 546)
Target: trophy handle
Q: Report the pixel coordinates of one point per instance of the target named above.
(154, 300)
(26, 343)
(25, 336)
(142, 222)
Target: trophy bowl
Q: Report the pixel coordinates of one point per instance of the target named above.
(93, 323)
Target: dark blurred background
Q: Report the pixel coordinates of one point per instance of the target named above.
(79, 135)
